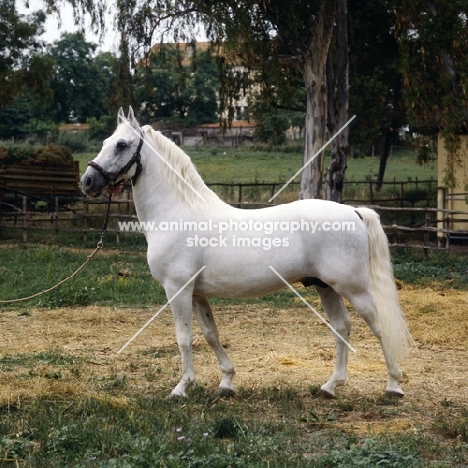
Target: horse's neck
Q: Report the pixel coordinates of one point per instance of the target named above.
(157, 196)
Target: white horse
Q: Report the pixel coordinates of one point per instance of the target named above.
(341, 251)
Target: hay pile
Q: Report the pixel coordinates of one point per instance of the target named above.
(51, 155)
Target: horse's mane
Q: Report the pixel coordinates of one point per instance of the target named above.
(179, 162)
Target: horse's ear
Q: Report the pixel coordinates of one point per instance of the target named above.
(131, 118)
(120, 116)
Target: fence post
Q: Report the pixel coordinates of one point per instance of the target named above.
(441, 216)
(427, 222)
(273, 186)
(117, 232)
(25, 218)
(129, 191)
(56, 215)
(239, 200)
(85, 219)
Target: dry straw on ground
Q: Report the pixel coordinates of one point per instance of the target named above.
(271, 347)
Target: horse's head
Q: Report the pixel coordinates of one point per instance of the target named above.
(119, 158)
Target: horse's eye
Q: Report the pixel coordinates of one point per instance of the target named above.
(121, 145)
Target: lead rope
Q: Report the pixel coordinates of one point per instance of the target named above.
(99, 246)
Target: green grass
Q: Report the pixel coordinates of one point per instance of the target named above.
(121, 277)
(245, 165)
(448, 269)
(29, 269)
(266, 430)
(271, 428)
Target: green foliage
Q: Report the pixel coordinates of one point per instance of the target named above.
(410, 268)
(78, 142)
(14, 118)
(371, 454)
(101, 128)
(41, 128)
(178, 88)
(80, 81)
(18, 43)
(375, 81)
(271, 124)
(433, 41)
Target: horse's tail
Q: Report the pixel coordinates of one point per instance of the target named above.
(394, 331)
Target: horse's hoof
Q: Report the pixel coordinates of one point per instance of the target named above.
(176, 397)
(224, 392)
(394, 394)
(325, 394)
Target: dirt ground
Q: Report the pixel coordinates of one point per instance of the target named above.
(269, 347)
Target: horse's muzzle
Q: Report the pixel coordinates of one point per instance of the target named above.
(93, 183)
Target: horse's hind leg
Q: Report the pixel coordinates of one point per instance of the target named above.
(205, 318)
(335, 309)
(364, 305)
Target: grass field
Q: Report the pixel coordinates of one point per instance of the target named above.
(245, 165)
(68, 400)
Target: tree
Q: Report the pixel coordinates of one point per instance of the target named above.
(20, 66)
(14, 118)
(337, 105)
(80, 81)
(265, 34)
(433, 39)
(259, 31)
(375, 77)
(176, 87)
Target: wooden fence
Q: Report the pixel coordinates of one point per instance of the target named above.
(407, 225)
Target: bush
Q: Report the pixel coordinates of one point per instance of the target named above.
(101, 128)
(76, 141)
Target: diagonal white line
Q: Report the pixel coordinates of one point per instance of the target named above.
(313, 310)
(161, 309)
(311, 159)
(181, 177)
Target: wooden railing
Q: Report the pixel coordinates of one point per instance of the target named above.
(423, 227)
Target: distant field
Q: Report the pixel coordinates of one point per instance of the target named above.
(244, 165)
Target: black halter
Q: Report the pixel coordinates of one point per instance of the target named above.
(111, 177)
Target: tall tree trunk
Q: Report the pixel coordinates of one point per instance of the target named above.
(314, 73)
(314, 135)
(338, 100)
(388, 140)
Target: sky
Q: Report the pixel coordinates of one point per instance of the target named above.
(53, 31)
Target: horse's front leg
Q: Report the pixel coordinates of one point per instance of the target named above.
(335, 309)
(182, 311)
(205, 318)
